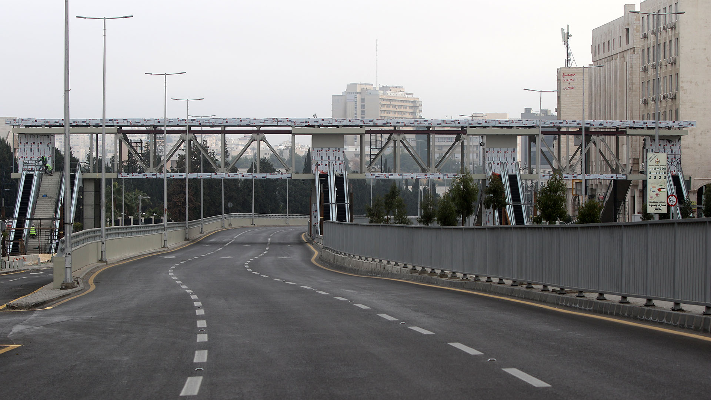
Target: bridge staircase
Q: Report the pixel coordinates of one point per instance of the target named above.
(514, 206)
(44, 214)
(24, 205)
(615, 197)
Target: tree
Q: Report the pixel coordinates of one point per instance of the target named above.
(390, 200)
(495, 195)
(446, 212)
(589, 212)
(376, 213)
(428, 209)
(400, 213)
(707, 200)
(552, 199)
(686, 209)
(464, 194)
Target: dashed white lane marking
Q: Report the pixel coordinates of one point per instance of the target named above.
(255, 272)
(192, 386)
(168, 256)
(290, 283)
(284, 257)
(466, 349)
(202, 337)
(526, 377)
(321, 292)
(200, 356)
(386, 316)
(201, 323)
(184, 286)
(200, 312)
(362, 306)
(197, 304)
(341, 298)
(307, 287)
(227, 257)
(175, 277)
(179, 282)
(193, 296)
(249, 270)
(265, 276)
(188, 290)
(422, 331)
(277, 279)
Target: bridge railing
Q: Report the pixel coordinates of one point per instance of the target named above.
(661, 260)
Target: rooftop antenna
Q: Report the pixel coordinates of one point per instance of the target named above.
(565, 33)
(376, 64)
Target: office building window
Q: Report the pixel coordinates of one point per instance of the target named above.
(676, 78)
(627, 36)
(643, 56)
(664, 52)
(676, 117)
(676, 46)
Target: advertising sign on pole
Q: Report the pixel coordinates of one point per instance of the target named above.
(657, 183)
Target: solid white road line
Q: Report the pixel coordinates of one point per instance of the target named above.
(201, 323)
(192, 386)
(341, 298)
(526, 377)
(386, 316)
(466, 349)
(422, 331)
(197, 304)
(200, 356)
(202, 337)
(362, 306)
(200, 312)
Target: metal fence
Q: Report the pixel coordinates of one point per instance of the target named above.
(662, 260)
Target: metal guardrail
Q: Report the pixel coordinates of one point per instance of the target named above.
(661, 260)
(94, 235)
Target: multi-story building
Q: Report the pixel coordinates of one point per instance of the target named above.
(364, 101)
(643, 52)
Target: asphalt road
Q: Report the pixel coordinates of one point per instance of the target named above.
(18, 284)
(245, 314)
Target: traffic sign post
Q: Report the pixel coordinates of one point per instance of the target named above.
(672, 200)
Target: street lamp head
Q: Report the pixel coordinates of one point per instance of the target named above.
(105, 18)
(165, 73)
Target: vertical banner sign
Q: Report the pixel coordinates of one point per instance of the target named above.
(656, 183)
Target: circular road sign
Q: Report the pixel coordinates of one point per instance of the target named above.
(672, 200)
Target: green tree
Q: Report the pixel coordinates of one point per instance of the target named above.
(464, 194)
(390, 201)
(400, 212)
(552, 198)
(446, 212)
(376, 212)
(495, 195)
(589, 212)
(686, 209)
(707, 200)
(428, 209)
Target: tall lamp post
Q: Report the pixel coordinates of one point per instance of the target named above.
(187, 156)
(657, 61)
(583, 147)
(165, 152)
(540, 132)
(202, 203)
(103, 139)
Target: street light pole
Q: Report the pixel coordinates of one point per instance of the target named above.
(583, 147)
(202, 203)
(165, 152)
(187, 157)
(103, 138)
(540, 133)
(67, 159)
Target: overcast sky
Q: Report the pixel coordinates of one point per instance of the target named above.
(274, 58)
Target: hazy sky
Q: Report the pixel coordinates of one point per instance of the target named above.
(274, 58)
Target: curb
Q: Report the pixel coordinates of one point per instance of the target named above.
(381, 268)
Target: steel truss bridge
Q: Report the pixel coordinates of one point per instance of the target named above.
(329, 133)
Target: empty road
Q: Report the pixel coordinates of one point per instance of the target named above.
(246, 314)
